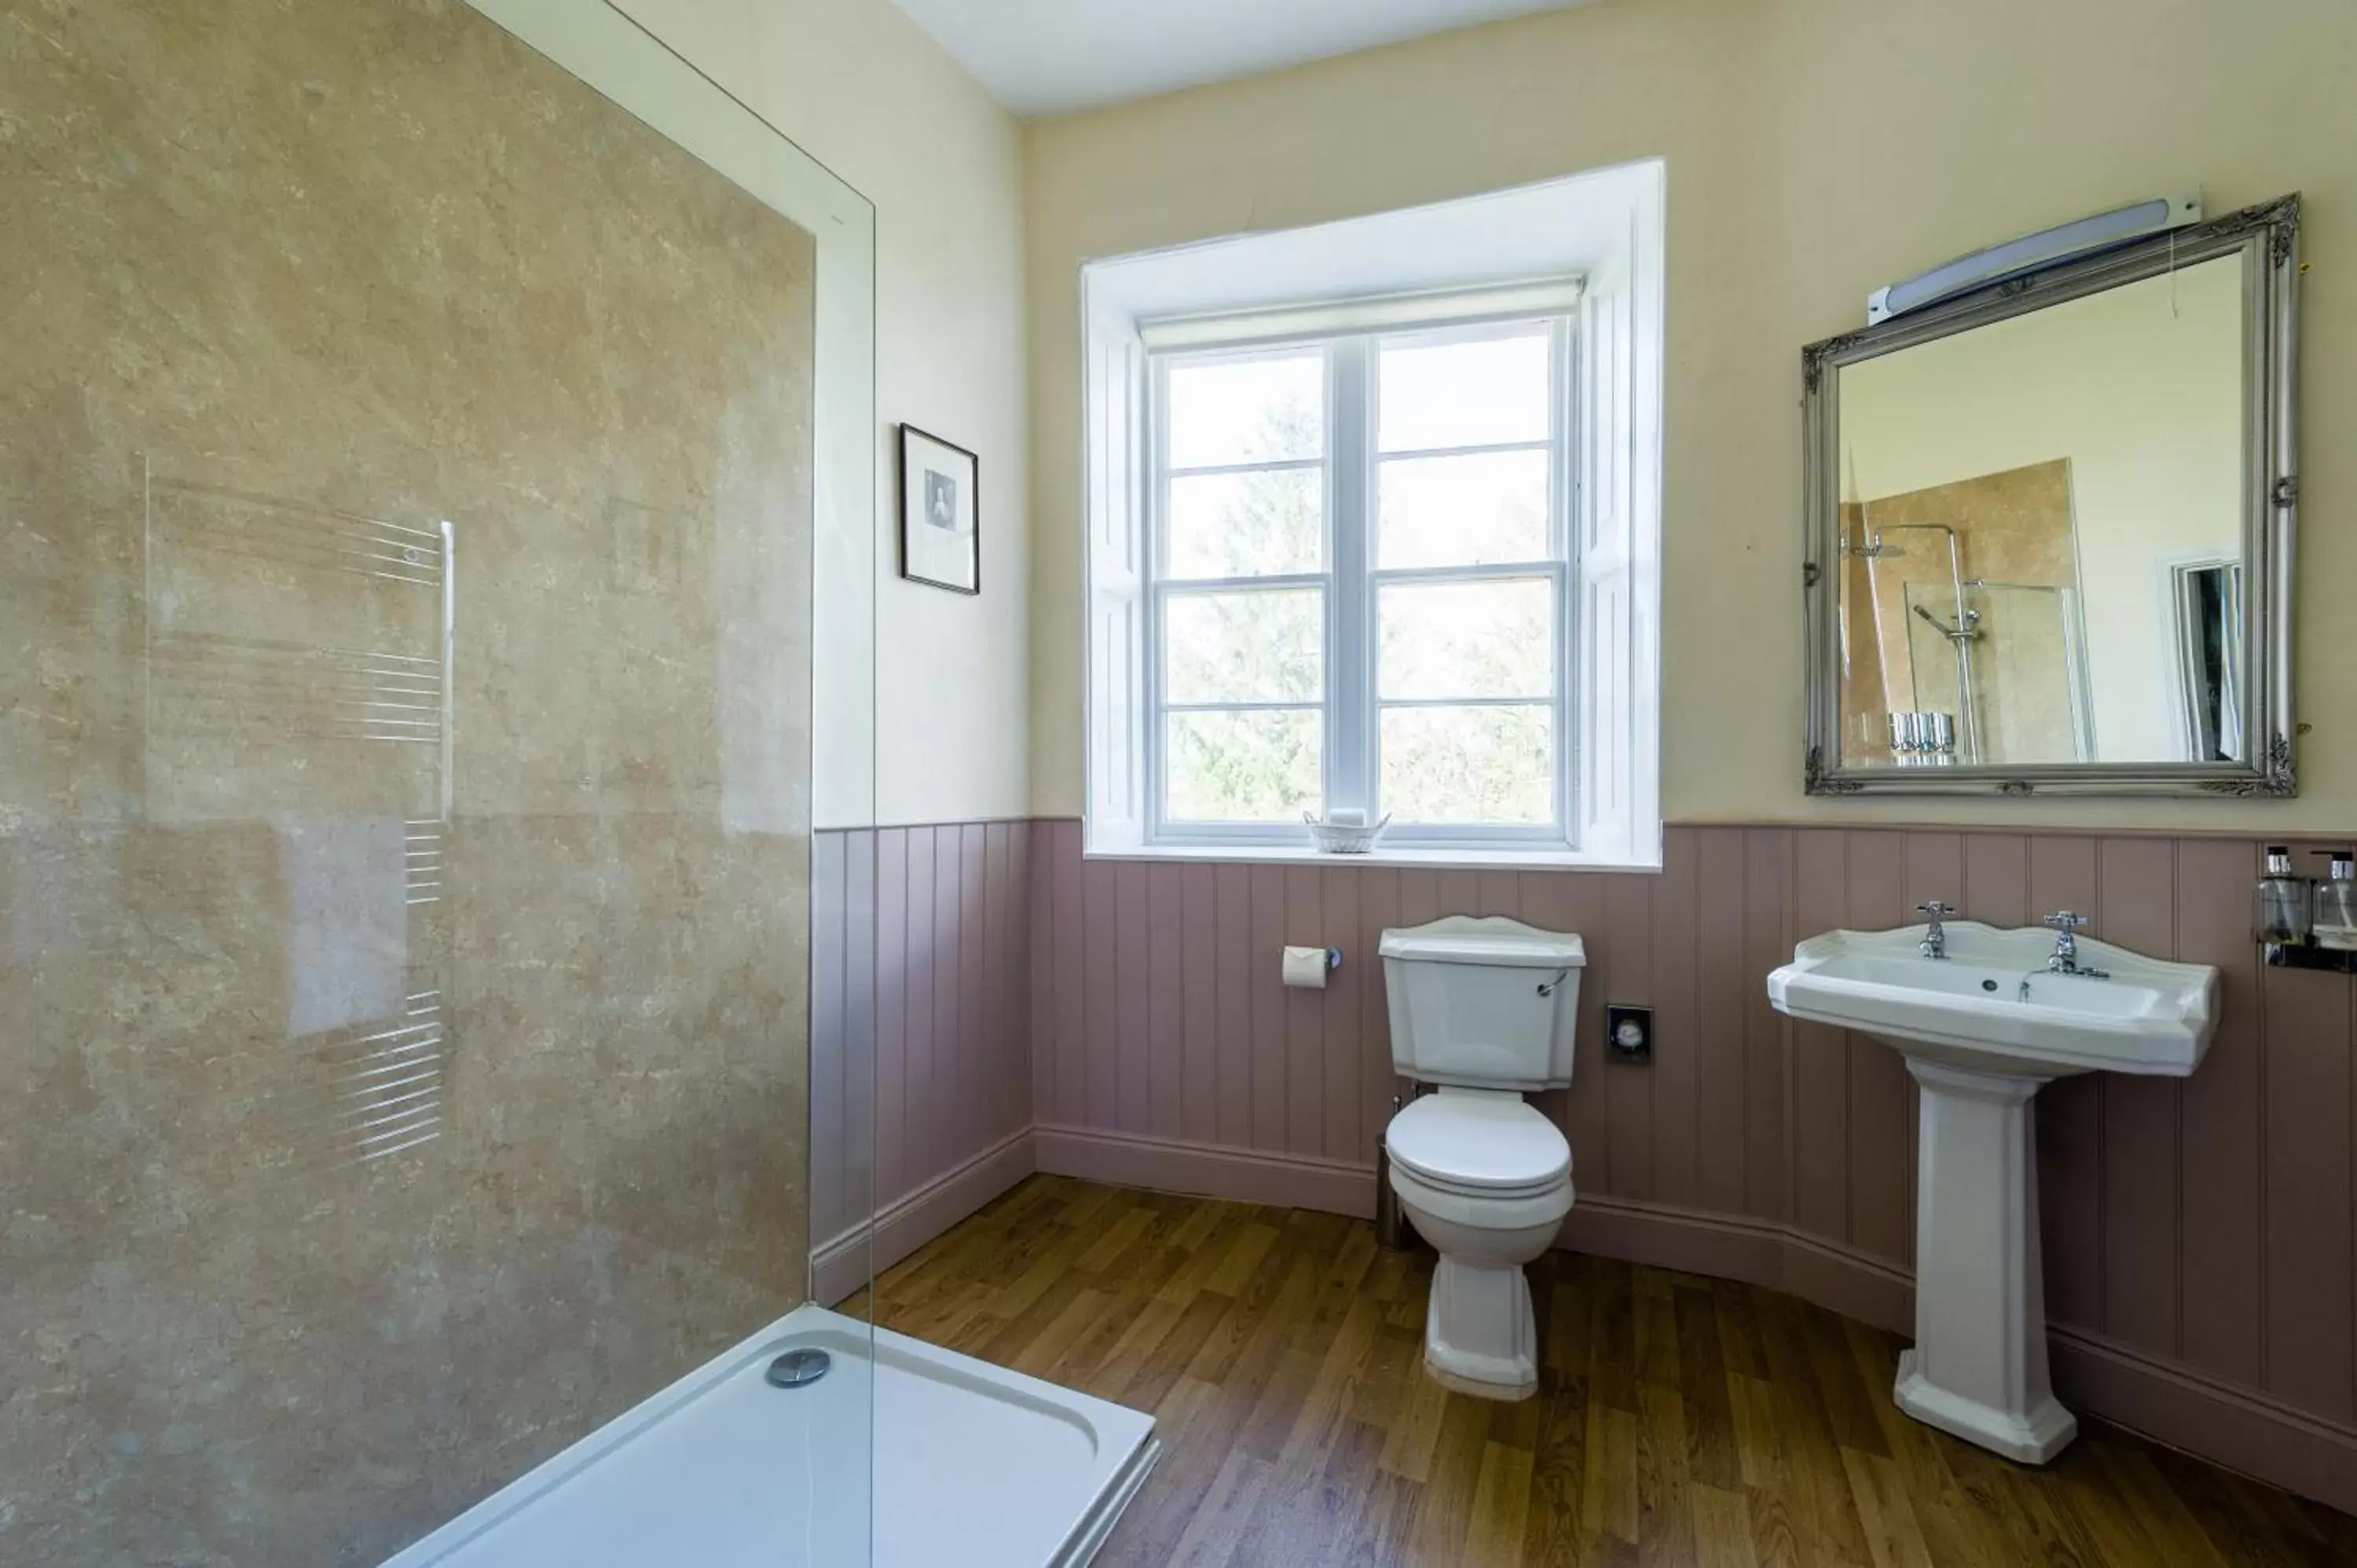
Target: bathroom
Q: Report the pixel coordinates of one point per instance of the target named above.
(666, 657)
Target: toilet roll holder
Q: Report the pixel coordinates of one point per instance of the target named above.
(1333, 961)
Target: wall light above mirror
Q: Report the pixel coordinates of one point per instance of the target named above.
(2050, 529)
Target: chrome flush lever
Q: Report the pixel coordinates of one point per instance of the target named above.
(1548, 987)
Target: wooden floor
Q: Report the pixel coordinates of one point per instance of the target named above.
(1680, 1421)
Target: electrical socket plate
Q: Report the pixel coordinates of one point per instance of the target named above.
(1629, 1033)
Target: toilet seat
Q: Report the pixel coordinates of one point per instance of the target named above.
(1479, 1145)
(1487, 1213)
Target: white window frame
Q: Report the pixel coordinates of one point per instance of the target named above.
(1500, 254)
(1350, 580)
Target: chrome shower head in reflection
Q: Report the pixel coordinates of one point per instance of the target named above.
(1965, 628)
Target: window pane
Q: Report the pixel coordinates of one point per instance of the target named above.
(1479, 510)
(1261, 645)
(1259, 410)
(1266, 766)
(1467, 640)
(1247, 525)
(1468, 765)
(1478, 392)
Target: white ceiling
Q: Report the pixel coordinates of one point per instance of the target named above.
(1047, 57)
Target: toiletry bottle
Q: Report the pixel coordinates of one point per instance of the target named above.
(2333, 923)
(2283, 901)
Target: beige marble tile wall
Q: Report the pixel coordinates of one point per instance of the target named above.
(283, 880)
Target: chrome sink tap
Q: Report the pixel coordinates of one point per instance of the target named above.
(2065, 960)
(1935, 934)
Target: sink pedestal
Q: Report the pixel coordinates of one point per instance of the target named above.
(1978, 1368)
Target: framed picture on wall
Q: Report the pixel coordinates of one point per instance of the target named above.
(940, 521)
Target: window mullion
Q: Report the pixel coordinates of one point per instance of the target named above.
(1573, 712)
(1153, 551)
(1350, 489)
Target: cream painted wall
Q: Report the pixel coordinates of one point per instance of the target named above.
(1815, 149)
(2141, 388)
(861, 89)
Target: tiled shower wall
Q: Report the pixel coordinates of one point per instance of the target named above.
(2201, 1232)
(402, 943)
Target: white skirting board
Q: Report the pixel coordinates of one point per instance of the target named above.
(902, 1456)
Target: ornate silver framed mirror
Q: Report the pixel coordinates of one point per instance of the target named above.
(2050, 529)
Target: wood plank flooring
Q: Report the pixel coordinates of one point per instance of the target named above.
(1679, 1421)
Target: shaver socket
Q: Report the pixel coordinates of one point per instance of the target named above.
(1629, 1033)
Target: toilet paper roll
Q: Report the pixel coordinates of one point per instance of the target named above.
(1306, 967)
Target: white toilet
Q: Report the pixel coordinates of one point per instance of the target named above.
(1482, 1009)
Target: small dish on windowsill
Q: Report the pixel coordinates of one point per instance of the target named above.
(1344, 832)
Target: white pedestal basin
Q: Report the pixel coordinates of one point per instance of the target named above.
(1982, 1029)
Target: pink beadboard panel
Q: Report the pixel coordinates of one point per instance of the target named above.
(1341, 1034)
(1259, 980)
(1132, 1070)
(1199, 971)
(2310, 1289)
(1624, 976)
(1767, 1043)
(2069, 1112)
(1100, 1044)
(1165, 1002)
(1881, 1110)
(922, 980)
(1722, 1004)
(918, 972)
(830, 1202)
(893, 1073)
(1304, 1019)
(1675, 1105)
(2137, 895)
(2220, 1150)
(1232, 1053)
(1821, 1055)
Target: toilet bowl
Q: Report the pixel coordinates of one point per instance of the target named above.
(1487, 1180)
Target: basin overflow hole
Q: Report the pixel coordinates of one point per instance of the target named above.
(1988, 985)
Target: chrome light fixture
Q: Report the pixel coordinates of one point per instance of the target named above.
(2032, 251)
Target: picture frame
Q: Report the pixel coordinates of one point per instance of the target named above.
(941, 512)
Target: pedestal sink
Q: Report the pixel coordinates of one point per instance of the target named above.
(1982, 1029)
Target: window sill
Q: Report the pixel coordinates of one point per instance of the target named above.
(1462, 857)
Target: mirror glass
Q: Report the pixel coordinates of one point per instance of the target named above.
(2043, 527)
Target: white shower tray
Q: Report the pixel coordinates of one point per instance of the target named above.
(973, 1465)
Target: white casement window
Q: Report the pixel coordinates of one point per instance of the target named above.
(1386, 549)
(1358, 568)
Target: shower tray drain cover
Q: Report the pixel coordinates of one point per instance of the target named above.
(799, 1369)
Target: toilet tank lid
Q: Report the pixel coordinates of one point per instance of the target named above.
(1486, 940)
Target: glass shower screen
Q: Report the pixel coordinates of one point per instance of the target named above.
(436, 518)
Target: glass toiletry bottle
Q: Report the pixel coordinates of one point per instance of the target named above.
(2333, 923)
(2283, 901)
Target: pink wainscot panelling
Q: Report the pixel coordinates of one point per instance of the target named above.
(926, 943)
(2200, 1245)
(988, 1001)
